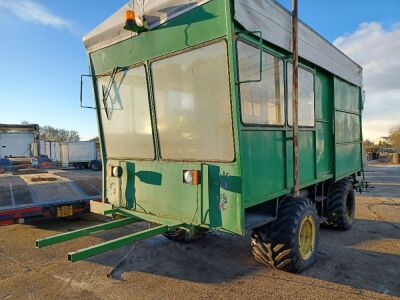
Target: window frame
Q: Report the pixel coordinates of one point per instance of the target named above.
(176, 53)
(284, 102)
(313, 72)
(148, 87)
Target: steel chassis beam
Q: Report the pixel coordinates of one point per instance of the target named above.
(130, 217)
(143, 216)
(116, 243)
(59, 238)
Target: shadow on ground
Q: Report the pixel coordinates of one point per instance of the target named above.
(367, 257)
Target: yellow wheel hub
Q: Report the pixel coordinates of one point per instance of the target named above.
(307, 234)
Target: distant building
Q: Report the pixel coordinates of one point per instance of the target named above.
(19, 140)
(382, 141)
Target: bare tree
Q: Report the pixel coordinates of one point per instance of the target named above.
(367, 142)
(394, 136)
(51, 134)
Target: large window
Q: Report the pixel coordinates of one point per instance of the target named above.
(305, 99)
(193, 109)
(262, 102)
(125, 115)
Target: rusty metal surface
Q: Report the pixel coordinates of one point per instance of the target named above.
(91, 187)
(40, 179)
(14, 190)
(88, 182)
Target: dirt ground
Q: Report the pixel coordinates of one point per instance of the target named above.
(361, 263)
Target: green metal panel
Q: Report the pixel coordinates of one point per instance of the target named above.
(307, 164)
(348, 142)
(221, 198)
(348, 159)
(323, 118)
(266, 152)
(146, 217)
(202, 24)
(347, 127)
(263, 164)
(262, 169)
(156, 187)
(324, 148)
(347, 96)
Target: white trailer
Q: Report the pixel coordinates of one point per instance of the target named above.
(81, 155)
(16, 144)
(51, 149)
(18, 140)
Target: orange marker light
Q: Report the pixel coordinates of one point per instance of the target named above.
(196, 177)
(129, 15)
(191, 177)
(109, 171)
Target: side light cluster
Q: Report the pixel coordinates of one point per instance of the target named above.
(191, 177)
(114, 171)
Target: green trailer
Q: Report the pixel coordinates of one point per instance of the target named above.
(194, 109)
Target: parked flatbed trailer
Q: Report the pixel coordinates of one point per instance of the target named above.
(27, 195)
(194, 109)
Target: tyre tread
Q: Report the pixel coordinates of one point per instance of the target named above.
(275, 244)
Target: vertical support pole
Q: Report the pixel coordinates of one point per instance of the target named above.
(295, 99)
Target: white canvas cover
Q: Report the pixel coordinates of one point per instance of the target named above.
(155, 12)
(267, 16)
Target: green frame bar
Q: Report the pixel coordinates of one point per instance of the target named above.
(144, 217)
(116, 243)
(85, 231)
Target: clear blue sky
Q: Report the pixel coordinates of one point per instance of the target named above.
(42, 55)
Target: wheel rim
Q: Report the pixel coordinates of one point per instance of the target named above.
(307, 237)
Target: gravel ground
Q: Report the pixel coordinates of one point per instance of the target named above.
(361, 263)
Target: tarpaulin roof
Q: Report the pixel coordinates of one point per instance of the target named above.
(155, 12)
(267, 16)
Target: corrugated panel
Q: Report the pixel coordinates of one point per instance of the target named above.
(22, 194)
(5, 196)
(14, 188)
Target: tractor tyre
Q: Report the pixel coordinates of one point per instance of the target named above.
(183, 236)
(290, 243)
(340, 205)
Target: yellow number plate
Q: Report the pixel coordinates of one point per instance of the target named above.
(65, 211)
